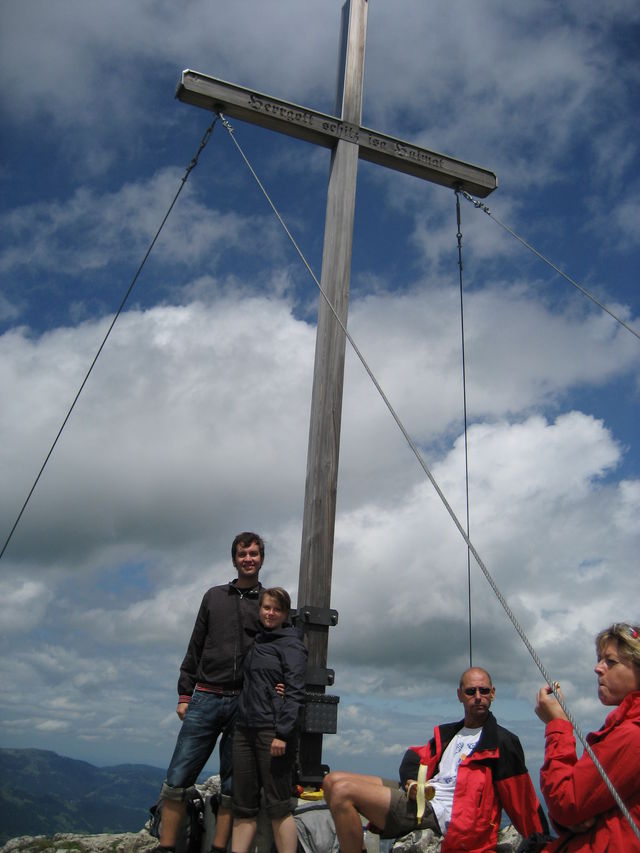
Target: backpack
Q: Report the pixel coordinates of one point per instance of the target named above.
(192, 831)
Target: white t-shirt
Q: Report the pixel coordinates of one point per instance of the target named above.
(445, 779)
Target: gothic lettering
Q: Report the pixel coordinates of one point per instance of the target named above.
(280, 110)
(422, 157)
(344, 131)
(376, 142)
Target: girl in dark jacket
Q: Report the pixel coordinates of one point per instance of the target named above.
(265, 735)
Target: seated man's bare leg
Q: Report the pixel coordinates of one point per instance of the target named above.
(350, 795)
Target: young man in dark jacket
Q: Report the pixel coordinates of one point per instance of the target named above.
(209, 686)
(456, 785)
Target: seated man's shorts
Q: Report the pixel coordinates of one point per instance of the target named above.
(402, 817)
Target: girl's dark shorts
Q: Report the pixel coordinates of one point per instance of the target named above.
(255, 769)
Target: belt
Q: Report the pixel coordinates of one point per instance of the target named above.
(219, 689)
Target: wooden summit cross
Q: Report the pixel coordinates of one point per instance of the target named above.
(348, 141)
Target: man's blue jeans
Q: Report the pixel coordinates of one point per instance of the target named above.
(208, 717)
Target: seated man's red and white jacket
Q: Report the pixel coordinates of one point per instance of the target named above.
(492, 778)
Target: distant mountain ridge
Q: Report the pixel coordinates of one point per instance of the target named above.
(43, 793)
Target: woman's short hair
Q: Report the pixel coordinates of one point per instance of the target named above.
(280, 595)
(626, 636)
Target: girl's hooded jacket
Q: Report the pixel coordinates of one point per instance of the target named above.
(277, 656)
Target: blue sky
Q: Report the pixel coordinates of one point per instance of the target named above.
(194, 423)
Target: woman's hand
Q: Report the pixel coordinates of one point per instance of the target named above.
(548, 708)
(278, 747)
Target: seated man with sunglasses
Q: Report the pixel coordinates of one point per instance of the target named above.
(456, 785)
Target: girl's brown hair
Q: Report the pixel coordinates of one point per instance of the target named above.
(280, 595)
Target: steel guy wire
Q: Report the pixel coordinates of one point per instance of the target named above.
(189, 169)
(434, 483)
(481, 206)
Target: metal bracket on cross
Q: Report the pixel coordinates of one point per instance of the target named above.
(320, 676)
(310, 615)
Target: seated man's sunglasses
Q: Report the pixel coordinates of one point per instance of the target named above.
(471, 691)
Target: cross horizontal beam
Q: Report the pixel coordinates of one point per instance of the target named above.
(234, 101)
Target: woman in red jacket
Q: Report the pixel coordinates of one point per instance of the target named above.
(579, 803)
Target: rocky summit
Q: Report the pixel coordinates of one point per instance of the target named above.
(130, 842)
(63, 842)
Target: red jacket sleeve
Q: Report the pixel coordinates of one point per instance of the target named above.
(517, 794)
(573, 788)
(519, 800)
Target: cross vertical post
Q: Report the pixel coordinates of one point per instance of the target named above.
(318, 525)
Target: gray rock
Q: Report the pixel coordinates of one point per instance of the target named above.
(63, 842)
(426, 841)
